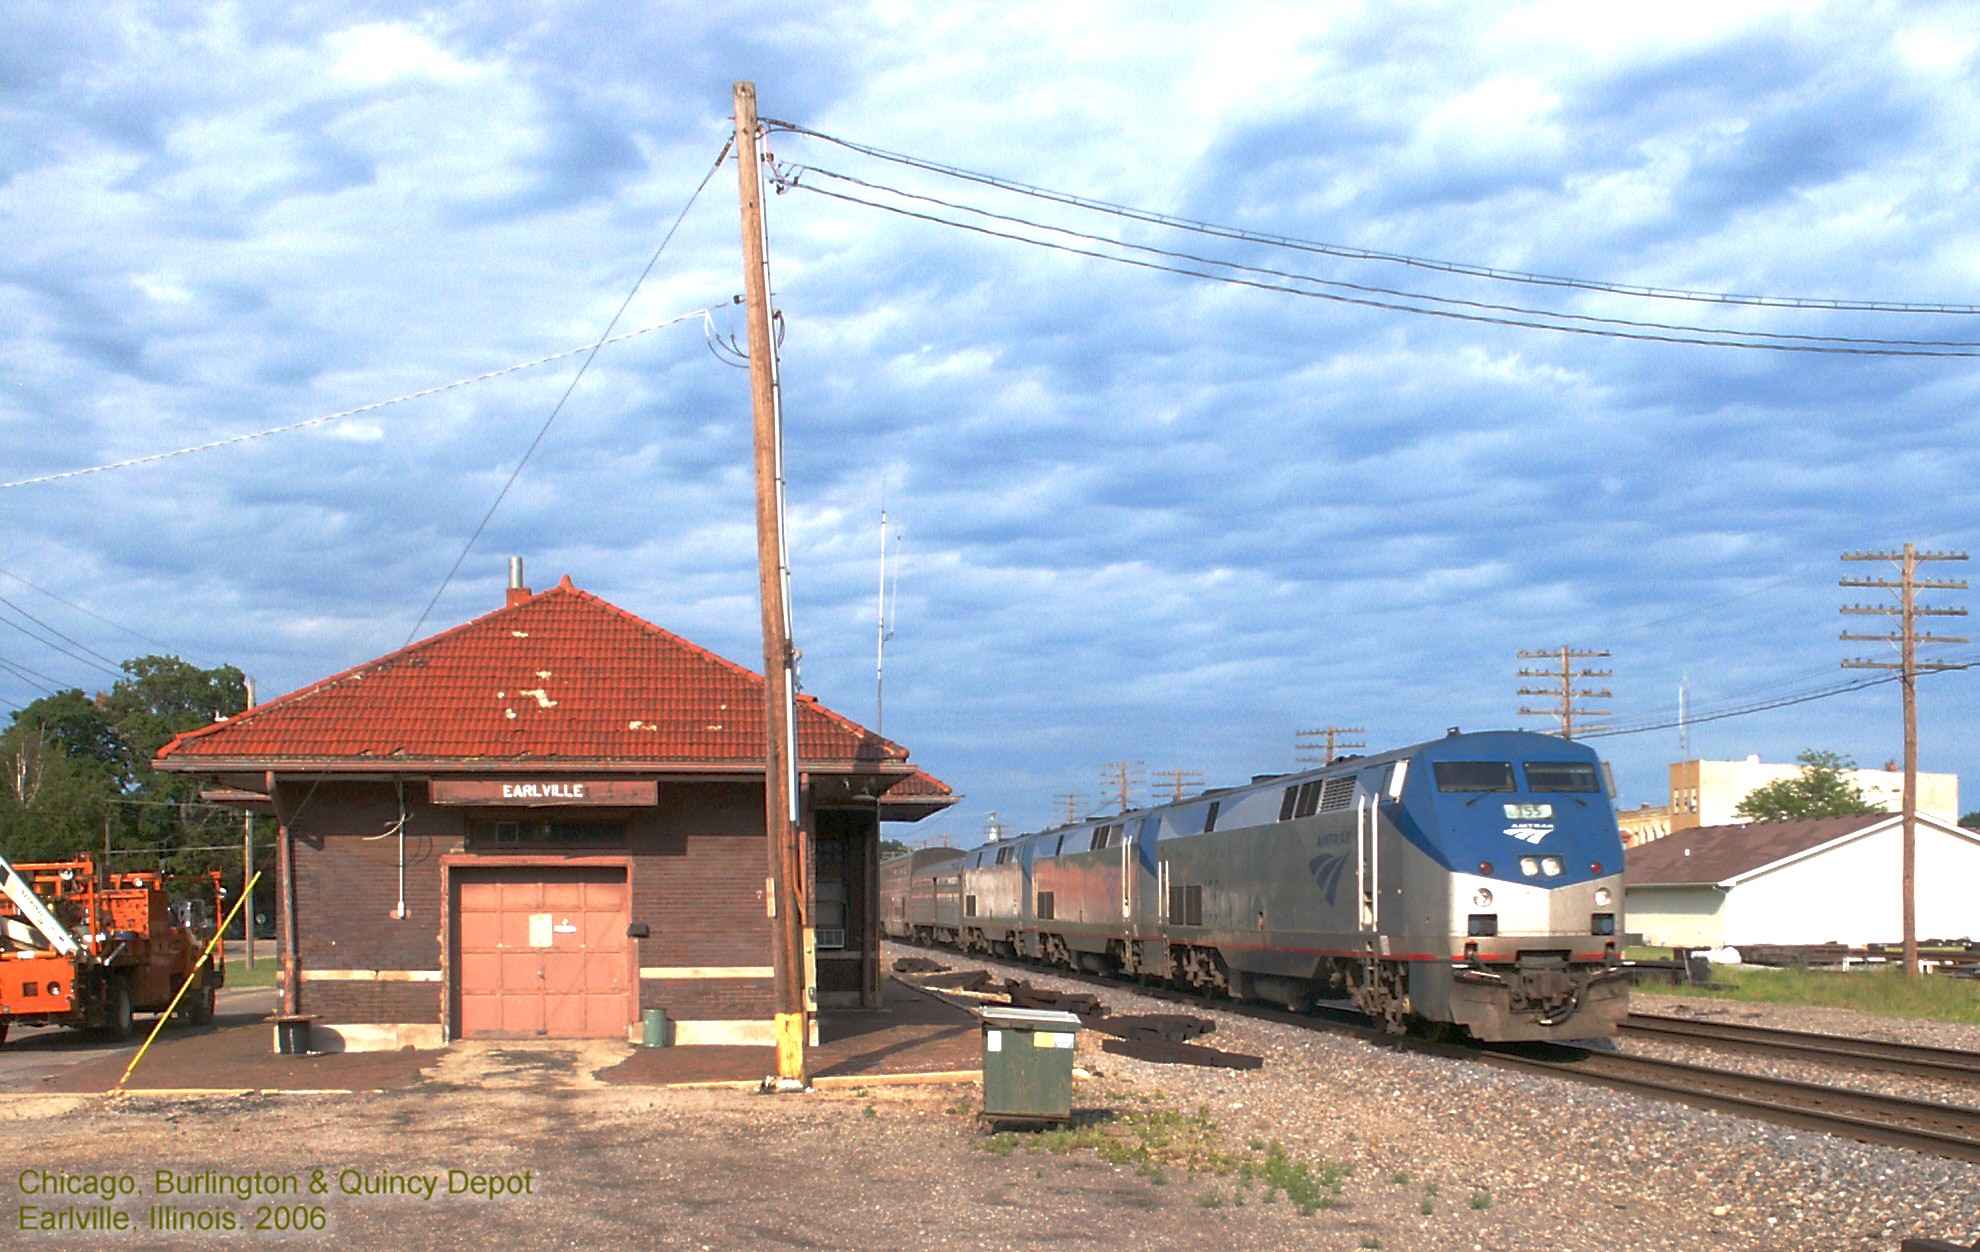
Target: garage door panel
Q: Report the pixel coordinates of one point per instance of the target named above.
(577, 986)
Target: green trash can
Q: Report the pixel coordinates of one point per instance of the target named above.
(1028, 1064)
(653, 1028)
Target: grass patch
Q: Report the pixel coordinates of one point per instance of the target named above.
(262, 975)
(1886, 992)
(1159, 1143)
(1428, 1206)
(1480, 1201)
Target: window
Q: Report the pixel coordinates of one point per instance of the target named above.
(538, 831)
(1474, 775)
(1309, 799)
(1286, 805)
(1045, 906)
(1210, 818)
(1561, 776)
(1108, 836)
(829, 913)
(969, 906)
(1004, 855)
(1338, 793)
(1060, 846)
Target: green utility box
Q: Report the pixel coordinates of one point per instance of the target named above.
(1028, 1064)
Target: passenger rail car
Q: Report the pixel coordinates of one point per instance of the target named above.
(1474, 880)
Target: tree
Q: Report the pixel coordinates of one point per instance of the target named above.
(1823, 789)
(1971, 821)
(892, 847)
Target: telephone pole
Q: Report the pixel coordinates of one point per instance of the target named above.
(1072, 802)
(1563, 689)
(785, 903)
(1175, 780)
(1305, 743)
(1121, 777)
(1909, 667)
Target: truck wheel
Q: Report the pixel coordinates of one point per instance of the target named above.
(119, 1023)
(203, 1003)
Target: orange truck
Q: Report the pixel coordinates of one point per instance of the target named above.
(90, 951)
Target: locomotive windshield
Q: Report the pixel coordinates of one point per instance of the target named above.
(1474, 775)
(1561, 776)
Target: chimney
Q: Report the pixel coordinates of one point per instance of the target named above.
(517, 592)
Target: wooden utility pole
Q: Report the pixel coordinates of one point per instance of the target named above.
(1175, 780)
(1072, 802)
(784, 896)
(1563, 691)
(1306, 741)
(1120, 778)
(247, 876)
(1909, 667)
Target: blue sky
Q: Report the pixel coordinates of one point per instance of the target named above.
(1145, 516)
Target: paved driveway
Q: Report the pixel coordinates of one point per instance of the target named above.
(34, 1056)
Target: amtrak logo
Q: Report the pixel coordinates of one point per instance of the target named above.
(1530, 832)
(1328, 867)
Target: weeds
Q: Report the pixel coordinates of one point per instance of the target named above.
(1884, 991)
(1480, 1201)
(871, 1111)
(1428, 1206)
(1370, 1241)
(1400, 1178)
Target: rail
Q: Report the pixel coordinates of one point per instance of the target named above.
(1950, 1064)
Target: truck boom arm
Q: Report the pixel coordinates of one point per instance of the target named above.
(15, 888)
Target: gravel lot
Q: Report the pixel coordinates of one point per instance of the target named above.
(1561, 1165)
(1378, 1148)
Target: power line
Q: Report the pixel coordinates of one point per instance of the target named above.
(73, 656)
(71, 639)
(576, 378)
(1348, 252)
(23, 673)
(1389, 306)
(1401, 293)
(249, 436)
(91, 612)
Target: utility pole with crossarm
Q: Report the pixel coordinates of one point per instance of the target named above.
(1906, 639)
(1563, 691)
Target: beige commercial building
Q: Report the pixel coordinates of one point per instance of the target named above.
(1706, 793)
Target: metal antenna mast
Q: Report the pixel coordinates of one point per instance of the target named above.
(1906, 640)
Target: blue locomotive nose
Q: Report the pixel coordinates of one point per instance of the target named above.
(1514, 806)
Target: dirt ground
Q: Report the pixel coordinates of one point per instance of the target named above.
(591, 1165)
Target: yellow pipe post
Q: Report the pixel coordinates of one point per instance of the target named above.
(219, 932)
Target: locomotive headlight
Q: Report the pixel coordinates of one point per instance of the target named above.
(54, 988)
(1551, 866)
(1482, 898)
(1529, 865)
(1602, 897)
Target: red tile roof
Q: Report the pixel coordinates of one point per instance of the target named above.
(559, 676)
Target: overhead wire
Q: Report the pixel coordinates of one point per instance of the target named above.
(135, 634)
(33, 678)
(210, 445)
(70, 639)
(1342, 284)
(576, 378)
(1387, 305)
(73, 656)
(1349, 252)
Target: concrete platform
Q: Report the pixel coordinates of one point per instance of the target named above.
(912, 1032)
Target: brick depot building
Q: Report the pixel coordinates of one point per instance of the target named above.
(545, 820)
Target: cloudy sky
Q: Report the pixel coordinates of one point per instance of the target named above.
(1144, 515)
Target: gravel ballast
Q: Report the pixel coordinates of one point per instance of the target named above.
(1554, 1164)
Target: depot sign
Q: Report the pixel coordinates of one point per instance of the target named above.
(545, 792)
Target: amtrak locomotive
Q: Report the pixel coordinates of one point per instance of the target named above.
(1474, 880)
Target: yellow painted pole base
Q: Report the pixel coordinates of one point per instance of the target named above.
(790, 1032)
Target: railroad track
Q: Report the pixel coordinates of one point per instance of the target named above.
(1921, 1126)
(1949, 1064)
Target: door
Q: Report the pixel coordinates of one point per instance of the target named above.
(1367, 859)
(541, 953)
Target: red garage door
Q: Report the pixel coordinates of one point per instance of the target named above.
(541, 953)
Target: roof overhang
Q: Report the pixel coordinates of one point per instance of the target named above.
(257, 775)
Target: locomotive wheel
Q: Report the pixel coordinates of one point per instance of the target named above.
(120, 1025)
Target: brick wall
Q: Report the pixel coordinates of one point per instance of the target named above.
(698, 868)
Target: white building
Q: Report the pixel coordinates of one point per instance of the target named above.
(1706, 793)
(1829, 880)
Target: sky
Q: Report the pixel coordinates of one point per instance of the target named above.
(1141, 516)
